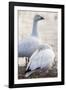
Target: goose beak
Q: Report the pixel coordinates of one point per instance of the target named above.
(42, 18)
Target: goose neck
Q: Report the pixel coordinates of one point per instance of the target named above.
(34, 30)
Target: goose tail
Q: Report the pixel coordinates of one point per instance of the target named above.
(28, 73)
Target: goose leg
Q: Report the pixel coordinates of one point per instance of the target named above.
(26, 61)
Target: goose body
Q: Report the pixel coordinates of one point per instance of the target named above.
(27, 46)
(42, 58)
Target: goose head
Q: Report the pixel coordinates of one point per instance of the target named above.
(38, 18)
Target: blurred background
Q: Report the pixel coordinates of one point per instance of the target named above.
(47, 30)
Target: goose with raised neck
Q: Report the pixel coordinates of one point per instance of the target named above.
(27, 46)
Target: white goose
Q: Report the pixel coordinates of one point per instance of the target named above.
(42, 58)
(27, 46)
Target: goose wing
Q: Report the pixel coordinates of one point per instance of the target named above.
(32, 59)
(42, 59)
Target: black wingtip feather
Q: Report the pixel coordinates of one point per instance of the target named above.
(28, 70)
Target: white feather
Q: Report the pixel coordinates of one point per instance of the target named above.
(43, 57)
(28, 46)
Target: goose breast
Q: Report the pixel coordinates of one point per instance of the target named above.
(27, 46)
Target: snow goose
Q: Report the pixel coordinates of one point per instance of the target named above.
(42, 58)
(27, 46)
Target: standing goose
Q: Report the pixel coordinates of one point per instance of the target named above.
(27, 46)
(42, 58)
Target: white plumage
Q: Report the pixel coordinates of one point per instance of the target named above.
(43, 57)
(27, 46)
